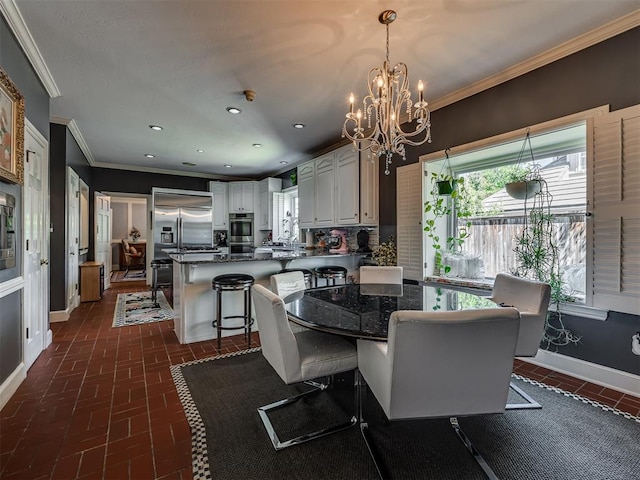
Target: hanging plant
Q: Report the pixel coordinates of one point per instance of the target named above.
(537, 258)
(526, 182)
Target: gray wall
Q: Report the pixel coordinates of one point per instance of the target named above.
(15, 64)
(606, 73)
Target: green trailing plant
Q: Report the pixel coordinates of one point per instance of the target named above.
(438, 207)
(386, 253)
(537, 257)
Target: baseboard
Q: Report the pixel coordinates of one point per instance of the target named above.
(600, 375)
(49, 339)
(59, 316)
(11, 384)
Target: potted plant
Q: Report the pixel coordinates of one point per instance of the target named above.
(439, 207)
(537, 258)
(525, 181)
(385, 254)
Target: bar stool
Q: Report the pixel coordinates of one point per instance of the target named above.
(229, 283)
(308, 274)
(161, 264)
(330, 273)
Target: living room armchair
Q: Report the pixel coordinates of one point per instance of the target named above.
(133, 259)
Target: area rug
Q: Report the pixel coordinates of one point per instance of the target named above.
(569, 438)
(137, 308)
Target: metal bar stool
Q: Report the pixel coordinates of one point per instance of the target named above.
(331, 273)
(308, 274)
(161, 264)
(229, 283)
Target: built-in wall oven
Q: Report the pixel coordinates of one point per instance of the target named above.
(241, 232)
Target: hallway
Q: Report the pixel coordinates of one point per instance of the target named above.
(100, 402)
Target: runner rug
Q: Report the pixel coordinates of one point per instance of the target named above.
(137, 308)
(569, 438)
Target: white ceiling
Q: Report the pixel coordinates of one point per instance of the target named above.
(121, 66)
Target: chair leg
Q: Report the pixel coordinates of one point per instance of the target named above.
(273, 436)
(530, 404)
(476, 455)
(364, 426)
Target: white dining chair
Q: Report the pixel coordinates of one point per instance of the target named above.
(298, 357)
(284, 284)
(440, 364)
(380, 274)
(531, 298)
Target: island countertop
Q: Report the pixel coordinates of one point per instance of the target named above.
(191, 258)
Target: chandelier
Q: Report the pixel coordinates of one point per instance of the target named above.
(388, 98)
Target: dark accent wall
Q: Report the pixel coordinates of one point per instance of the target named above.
(57, 216)
(606, 73)
(36, 102)
(125, 181)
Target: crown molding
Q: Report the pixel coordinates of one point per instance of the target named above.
(600, 34)
(19, 28)
(77, 135)
(162, 171)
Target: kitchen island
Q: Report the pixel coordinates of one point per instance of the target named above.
(194, 302)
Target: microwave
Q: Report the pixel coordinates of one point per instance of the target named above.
(7, 232)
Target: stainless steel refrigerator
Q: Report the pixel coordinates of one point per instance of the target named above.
(181, 222)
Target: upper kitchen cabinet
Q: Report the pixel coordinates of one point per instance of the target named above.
(329, 190)
(266, 188)
(220, 205)
(325, 198)
(241, 197)
(347, 184)
(306, 194)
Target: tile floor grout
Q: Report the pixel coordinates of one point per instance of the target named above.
(100, 402)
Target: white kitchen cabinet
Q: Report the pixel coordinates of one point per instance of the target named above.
(325, 198)
(347, 186)
(241, 197)
(369, 189)
(306, 194)
(220, 205)
(266, 188)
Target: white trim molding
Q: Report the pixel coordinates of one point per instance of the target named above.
(77, 135)
(600, 375)
(11, 286)
(11, 384)
(600, 34)
(19, 28)
(59, 316)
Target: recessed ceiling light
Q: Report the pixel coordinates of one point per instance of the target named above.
(227, 166)
(283, 162)
(257, 145)
(234, 110)
(189, 164)
(157, 128)
(149, 155)
(299, 125)
(200, 151)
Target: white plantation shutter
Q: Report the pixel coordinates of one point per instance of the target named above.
(278, 215)
(409, 218)
(615, 203)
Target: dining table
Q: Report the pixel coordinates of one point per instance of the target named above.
(363, 310)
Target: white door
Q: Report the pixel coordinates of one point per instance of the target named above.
(103, 234)
(36, 244)
(73, 233)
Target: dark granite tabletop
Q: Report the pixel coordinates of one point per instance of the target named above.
(253, 256)
(363, 310)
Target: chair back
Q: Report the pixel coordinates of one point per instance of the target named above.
(380, 274)
(443, 364)
(531, 298)
(284, 284)
(279, 345)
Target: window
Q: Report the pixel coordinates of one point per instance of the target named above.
(495, 221)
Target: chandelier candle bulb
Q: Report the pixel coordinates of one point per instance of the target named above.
(420, 90)
(351, 102)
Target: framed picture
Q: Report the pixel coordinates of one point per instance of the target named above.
(11, 131)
